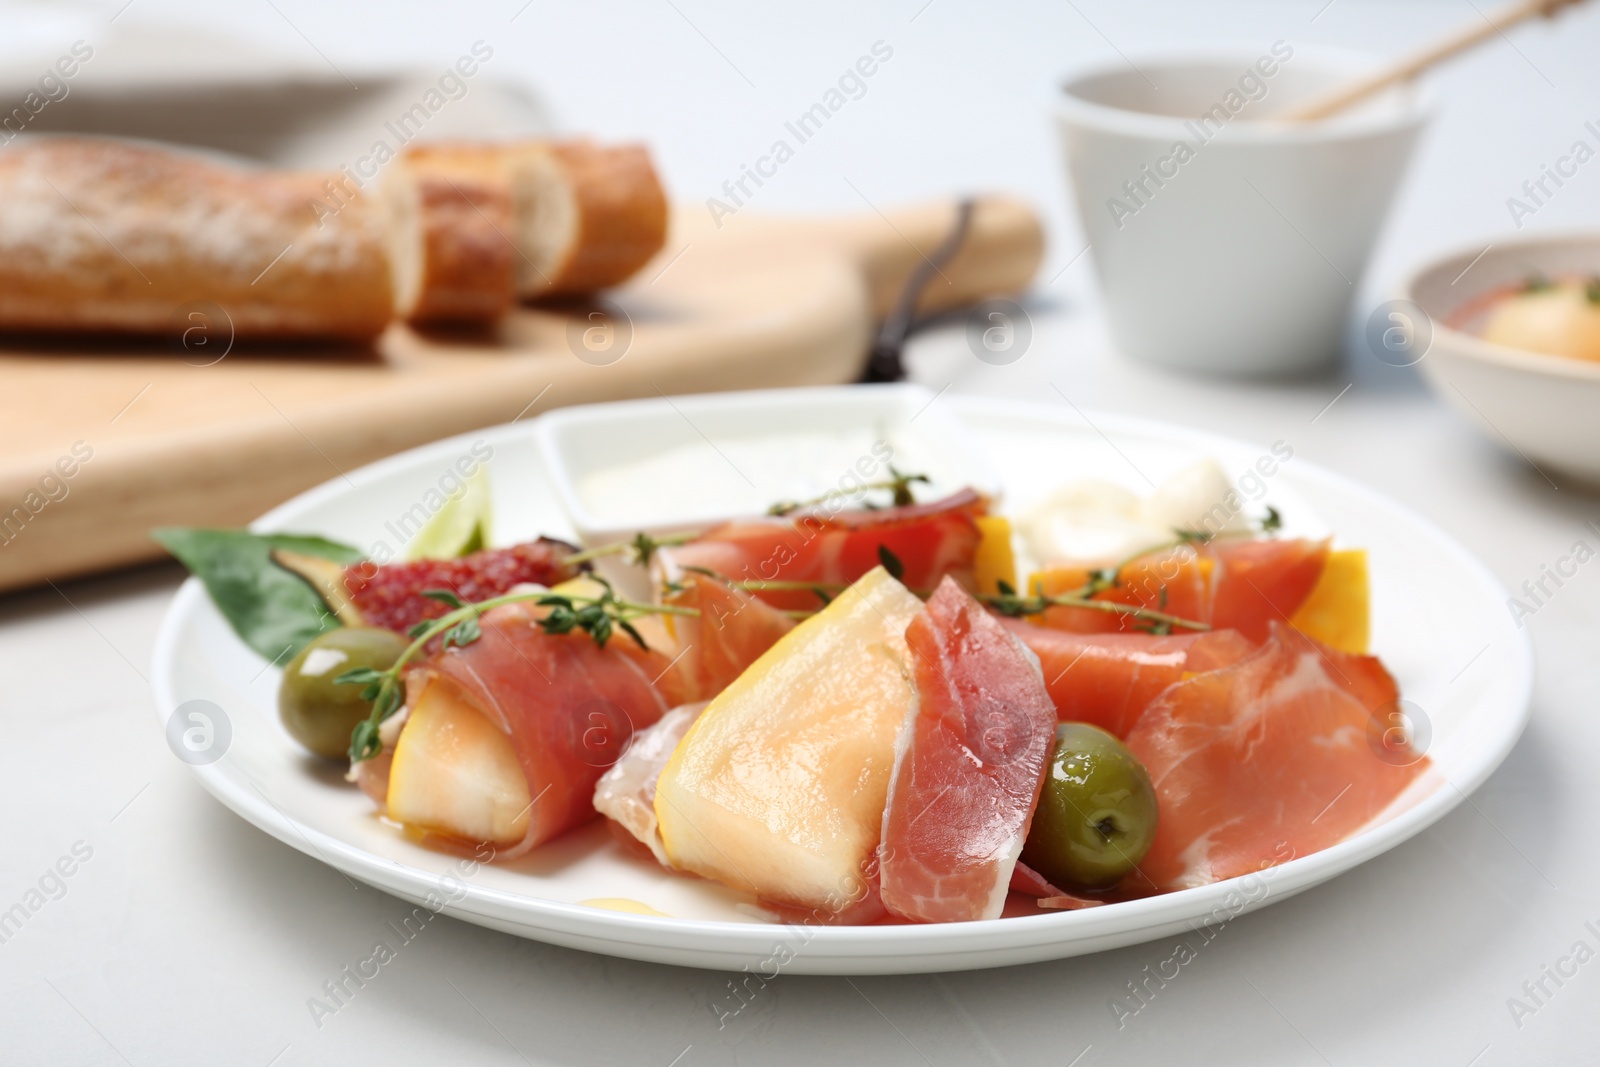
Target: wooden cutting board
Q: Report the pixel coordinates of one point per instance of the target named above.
(176, 435)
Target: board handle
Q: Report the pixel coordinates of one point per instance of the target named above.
(1002, 251)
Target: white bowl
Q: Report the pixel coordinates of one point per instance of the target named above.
(722, 454)
(1243, 258)
(1545, 408)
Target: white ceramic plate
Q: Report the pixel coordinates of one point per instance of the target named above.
(1439, 623)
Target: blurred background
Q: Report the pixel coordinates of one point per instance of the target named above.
(963, 105)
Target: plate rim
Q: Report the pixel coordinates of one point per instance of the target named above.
(840, 945)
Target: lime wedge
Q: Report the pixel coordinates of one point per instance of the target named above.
(458, 528)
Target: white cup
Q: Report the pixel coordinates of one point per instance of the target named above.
(1227, 243)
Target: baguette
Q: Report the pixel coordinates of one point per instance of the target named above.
(449, 218)
(106, 236)
(587, 217)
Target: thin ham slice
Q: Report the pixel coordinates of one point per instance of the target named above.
(1031, 883)
(1244, 585)
(731, 632)
(1268, 759)
(969, 764)
(571, 708)
(930, 540)
(568, 706)
(626, 793)
(1108, 679)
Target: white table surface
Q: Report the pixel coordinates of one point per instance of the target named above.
(191, 938)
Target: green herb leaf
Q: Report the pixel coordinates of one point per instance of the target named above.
(273, 611)
(444, 596)
(358, 676)
(463, 633)
(419, 629)
(1006, 588)
(364, 743)
(891, 563)
(1273, 522)
(627, 628)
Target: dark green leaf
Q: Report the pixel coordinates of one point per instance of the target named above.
(1006, 588)
(386, 703)
(358, 676)
(364, 743)
(627, 628)
(444, 596)
(891, 563)
(1273, 522)
(559, 621)
(419, 629)
(273, 611)
(463, 633)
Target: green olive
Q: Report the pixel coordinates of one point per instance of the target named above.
(316, 712)
(1097, 815)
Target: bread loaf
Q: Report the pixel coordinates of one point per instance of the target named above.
(109, 236)
(588, 217)
(450, 233)
(476, 225)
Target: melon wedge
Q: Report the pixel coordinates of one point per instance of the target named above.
(1338, 611)
(779, 787)
(455, 773)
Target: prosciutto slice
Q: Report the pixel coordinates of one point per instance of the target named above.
(930, 540)
(1108, 679)
(626, 794)
(969, 764)
(1243, 585)
(1271, 758)
(1031, 883)
(731, 632)
(568, 706)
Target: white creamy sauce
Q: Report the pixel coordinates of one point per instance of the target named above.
(745, 476)
(1094, 522)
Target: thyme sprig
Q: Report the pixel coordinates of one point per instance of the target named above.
(1006, 602)
(598, 616)
(898, 485)
(1156, 621)
(641, 547)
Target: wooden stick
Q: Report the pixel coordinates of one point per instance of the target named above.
(1330, 103)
